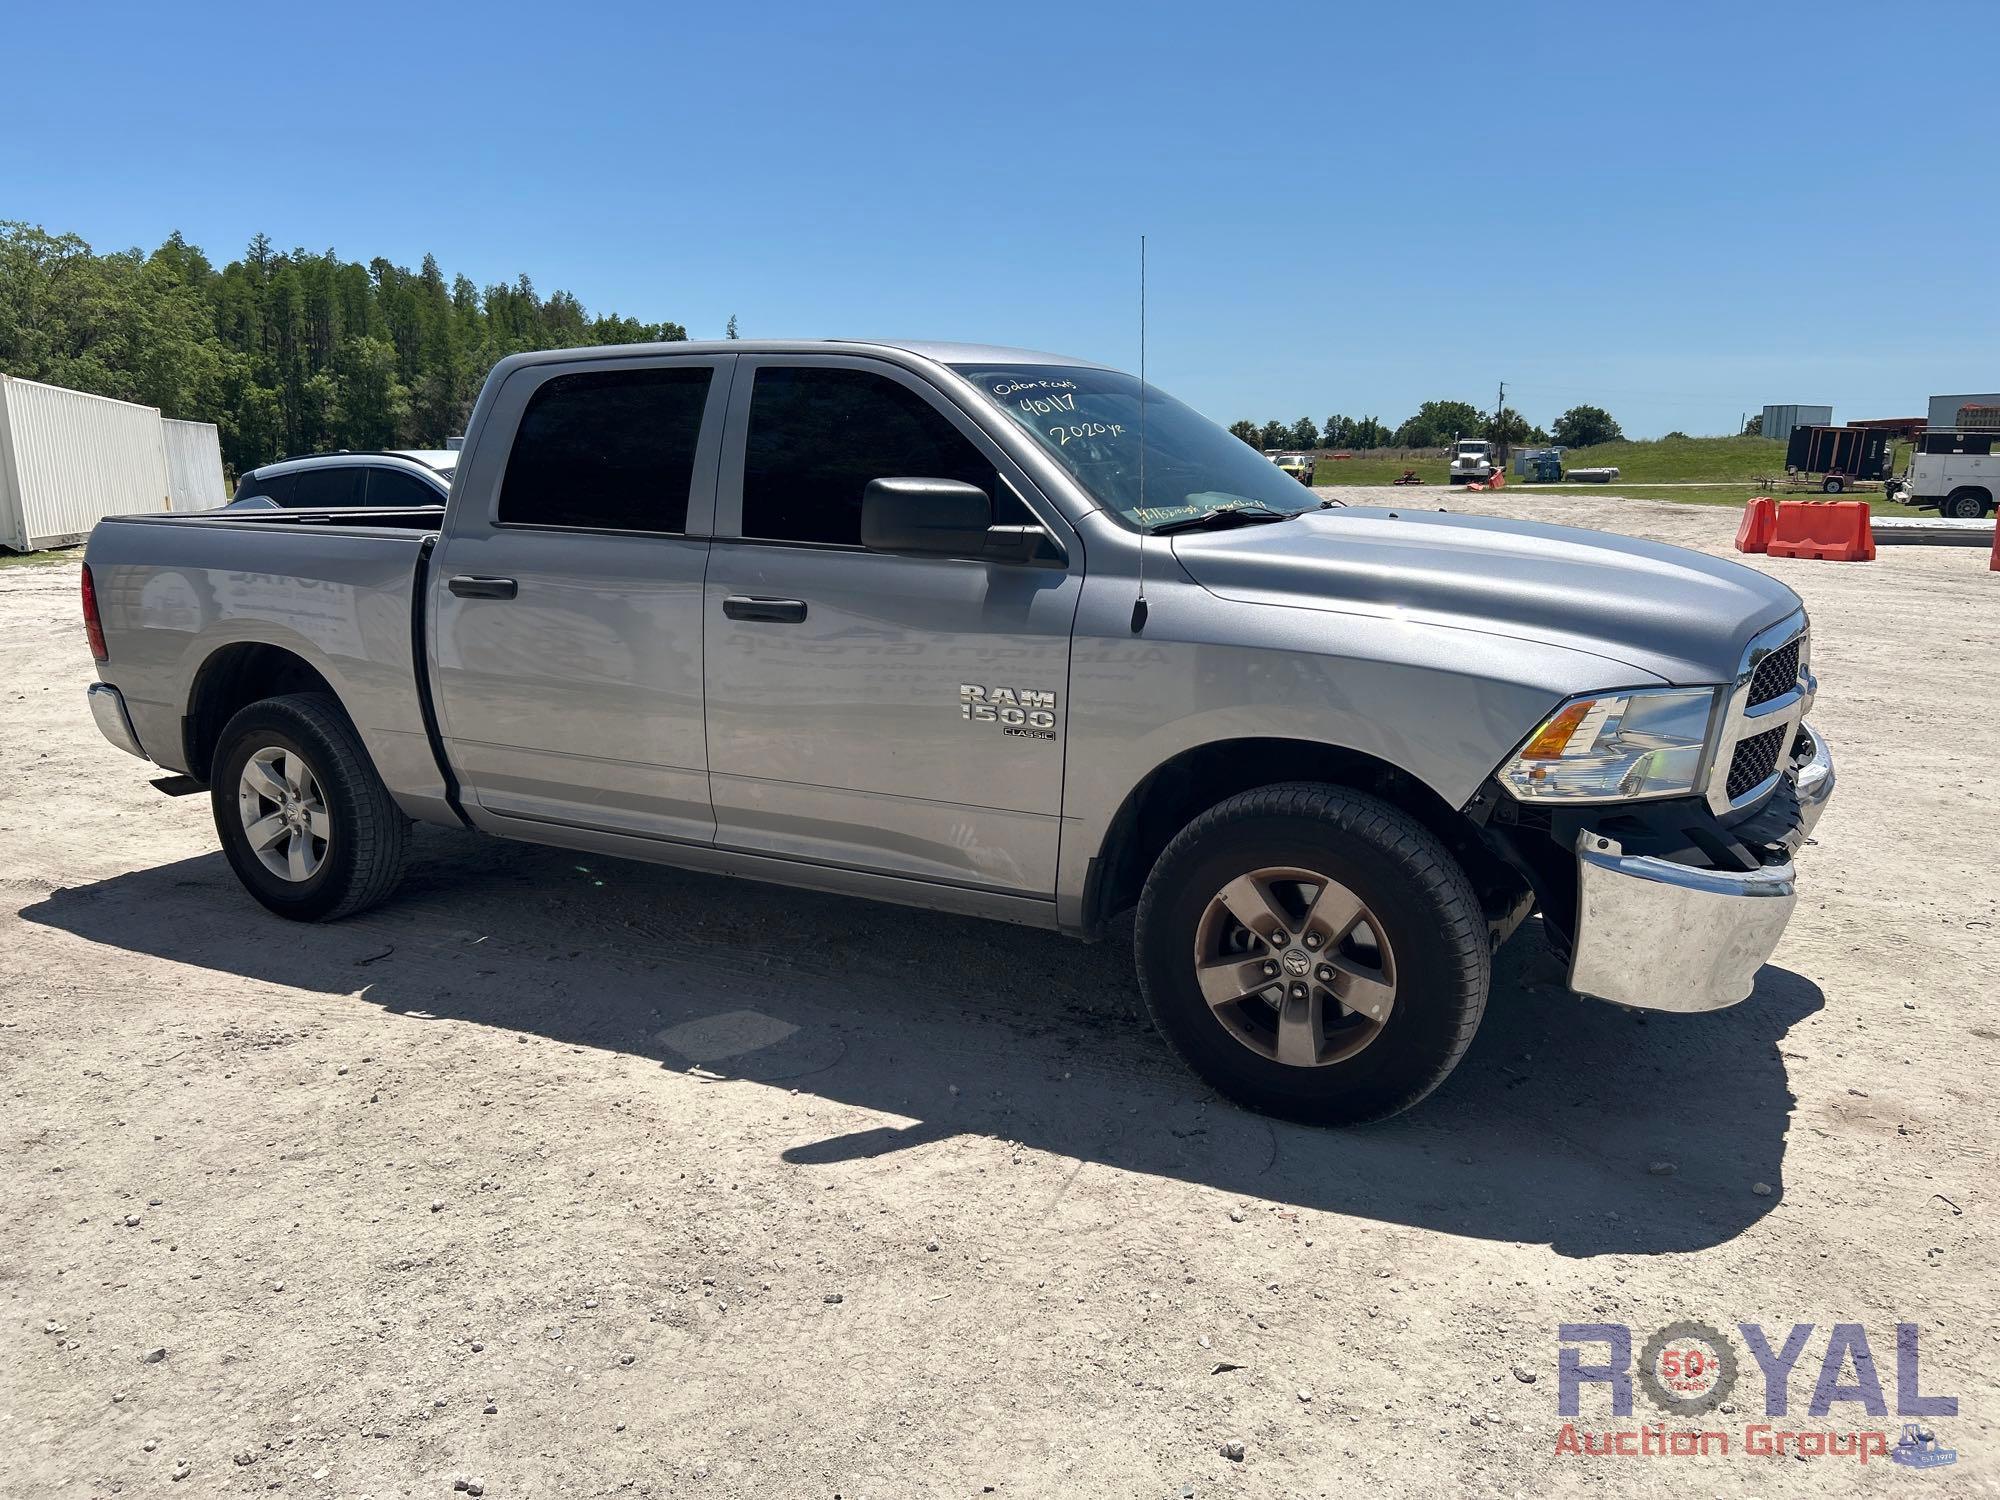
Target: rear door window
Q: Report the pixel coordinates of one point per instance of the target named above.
(818, 435)
(392, 487)
(607, 450)
(331, 485)
(277, 487)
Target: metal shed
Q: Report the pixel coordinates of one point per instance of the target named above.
(1945, 410)
(68, 459)
(194, 465)
(1780, 420)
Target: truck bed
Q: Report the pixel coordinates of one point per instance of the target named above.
(185, 595)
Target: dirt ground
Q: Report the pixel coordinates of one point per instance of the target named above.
(580, 1178)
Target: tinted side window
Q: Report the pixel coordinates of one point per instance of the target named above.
(818, 436)
(612, 450)
(388, 487)
(337, 484)
(278, 487)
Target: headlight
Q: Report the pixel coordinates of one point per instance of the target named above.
(1615, 747)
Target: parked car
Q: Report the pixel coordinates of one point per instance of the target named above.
(392, 480)
(912, 622)
(1298, 465)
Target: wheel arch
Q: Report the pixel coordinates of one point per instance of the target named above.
(229, 679)
(1183, 787)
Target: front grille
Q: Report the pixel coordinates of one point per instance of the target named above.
(1755, 759)
(1776, 675)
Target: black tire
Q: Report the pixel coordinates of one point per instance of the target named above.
(367, 837)
(1833, 486)
(1964, 505)
(1431, 918)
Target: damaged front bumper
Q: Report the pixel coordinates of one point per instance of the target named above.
(1661, 935)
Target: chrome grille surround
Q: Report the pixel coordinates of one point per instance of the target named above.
(1753, 710)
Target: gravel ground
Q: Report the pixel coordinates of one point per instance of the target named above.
(567, 1177)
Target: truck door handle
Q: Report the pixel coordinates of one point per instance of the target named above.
(468, 587)
(778, 611)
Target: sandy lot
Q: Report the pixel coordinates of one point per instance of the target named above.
(584, 1178)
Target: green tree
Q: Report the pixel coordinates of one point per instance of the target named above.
(1438, 423)
(1303, 434)
(1369, 433)
(1273, 435)
(1586, 426)
(1245, 430)
(1507, 426)
(1755, 426)
(285, 352)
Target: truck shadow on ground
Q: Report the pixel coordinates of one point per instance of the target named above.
(1545, 1134)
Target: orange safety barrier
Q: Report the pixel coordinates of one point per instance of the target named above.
(1833, 530)
(1496, 480)
(1760, 519)
(1994, 563)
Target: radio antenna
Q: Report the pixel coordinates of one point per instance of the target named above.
(1139, 604)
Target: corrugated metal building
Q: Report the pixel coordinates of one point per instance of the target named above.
(194, 465)
(1780, 420)
(1945, 409)
(68, 459)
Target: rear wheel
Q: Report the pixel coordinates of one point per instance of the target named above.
(1964, 505)
(1833, 486)
(1313, 953)
(305, 822)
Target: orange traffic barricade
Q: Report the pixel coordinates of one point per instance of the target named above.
(1833, 530)
(1760, 519)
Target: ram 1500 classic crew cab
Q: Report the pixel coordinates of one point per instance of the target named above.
(983, 631)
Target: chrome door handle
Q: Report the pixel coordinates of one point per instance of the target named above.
(777, 611)
(468, 587)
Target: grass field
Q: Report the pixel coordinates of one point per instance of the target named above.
(34, 559)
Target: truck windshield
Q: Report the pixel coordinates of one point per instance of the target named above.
(1089, 421)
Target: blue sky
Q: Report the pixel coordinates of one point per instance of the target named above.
(1678, 212)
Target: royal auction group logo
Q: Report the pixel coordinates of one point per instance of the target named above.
(1691, 1373)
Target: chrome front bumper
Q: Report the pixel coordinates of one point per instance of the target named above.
(107, 707)
(1661, 936)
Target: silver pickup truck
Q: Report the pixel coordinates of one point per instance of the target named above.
(1000, 633)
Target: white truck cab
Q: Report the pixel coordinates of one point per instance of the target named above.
(1471, 461)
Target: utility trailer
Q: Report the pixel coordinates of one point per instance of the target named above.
(1837, 457)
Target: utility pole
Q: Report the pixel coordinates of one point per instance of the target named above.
(1500, 427)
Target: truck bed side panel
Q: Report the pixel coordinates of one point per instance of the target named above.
(175, 591)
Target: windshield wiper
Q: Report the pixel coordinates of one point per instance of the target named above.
(1229, 515)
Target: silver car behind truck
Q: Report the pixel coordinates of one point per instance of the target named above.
(915, 622)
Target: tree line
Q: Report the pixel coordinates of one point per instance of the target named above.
(1437, 424)
(286, 352)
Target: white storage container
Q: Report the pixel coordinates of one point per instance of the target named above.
(194, 465)
(67, 460)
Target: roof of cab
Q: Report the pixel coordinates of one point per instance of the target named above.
(938, 350)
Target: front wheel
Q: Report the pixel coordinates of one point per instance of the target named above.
(1313, 953)
(305, 822)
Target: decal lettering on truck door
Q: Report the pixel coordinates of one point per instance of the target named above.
(1023, 713)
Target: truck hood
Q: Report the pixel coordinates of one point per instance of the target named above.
(1681, 616)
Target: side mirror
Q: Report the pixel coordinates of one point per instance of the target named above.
(925, 515)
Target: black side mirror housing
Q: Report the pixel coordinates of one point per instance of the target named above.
(945, 518)
(925, 515)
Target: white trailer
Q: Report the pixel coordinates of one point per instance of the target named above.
(194, 465)
(68, 459)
